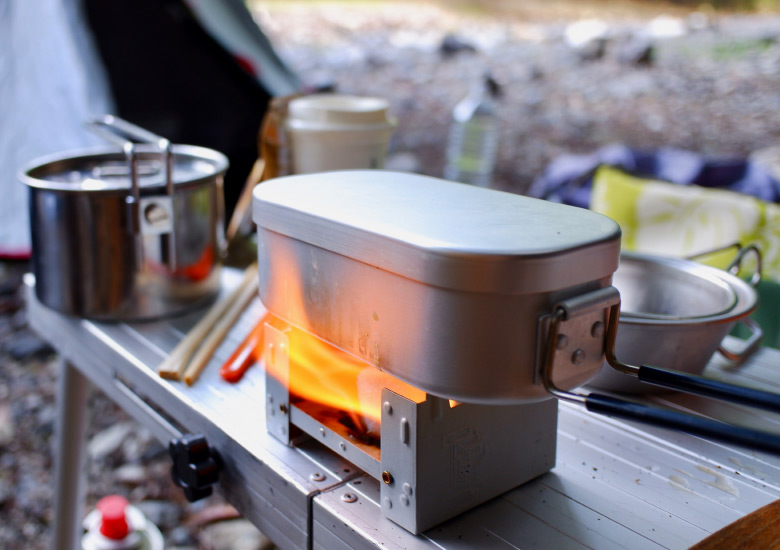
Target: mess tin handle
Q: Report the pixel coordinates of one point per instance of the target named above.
(661, 417)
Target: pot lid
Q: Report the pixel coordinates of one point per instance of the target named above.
(107, 168)
(442, 233)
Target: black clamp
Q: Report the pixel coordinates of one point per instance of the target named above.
(195, 465)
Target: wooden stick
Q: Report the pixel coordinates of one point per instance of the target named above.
(217, 335)
(173, 366)
(245, 199)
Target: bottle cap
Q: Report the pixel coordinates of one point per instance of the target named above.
(113, 524)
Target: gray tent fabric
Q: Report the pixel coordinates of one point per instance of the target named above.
(51, 81)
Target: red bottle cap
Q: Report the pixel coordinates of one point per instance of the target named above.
(113, 524)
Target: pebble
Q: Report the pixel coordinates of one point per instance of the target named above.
(27, 346)
(131, 474)
(163, 514)
(238, 534)
(6, 425)
(637, 51)
(180, 537)
(6, 492)
(109, 441)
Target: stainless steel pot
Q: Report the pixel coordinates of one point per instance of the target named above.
(127, 233)
(675, 313)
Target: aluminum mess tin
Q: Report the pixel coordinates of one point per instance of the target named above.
(438, 283)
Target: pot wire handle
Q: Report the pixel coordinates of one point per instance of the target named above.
(736, 264)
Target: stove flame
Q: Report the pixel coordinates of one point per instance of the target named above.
(322, 373)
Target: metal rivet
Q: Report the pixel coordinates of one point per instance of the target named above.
(407, 489)
(597, 330)
(342, 446)
(387, 407)
(348, 497)
(563, 341)
(317, 476)
(270, 398)
(578, 357)
(404, 500)
(404, 431)
(387, 503)
(283, 408)
(283, 430)
(387, 477)
(322, 432)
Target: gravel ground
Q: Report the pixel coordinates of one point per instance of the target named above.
(711, 85)
(712, 89)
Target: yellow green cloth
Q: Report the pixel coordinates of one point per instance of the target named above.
(682, 220)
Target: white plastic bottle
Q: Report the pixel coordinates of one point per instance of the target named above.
(116, 525)
(473, 139)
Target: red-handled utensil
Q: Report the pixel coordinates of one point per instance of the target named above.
(245, 355)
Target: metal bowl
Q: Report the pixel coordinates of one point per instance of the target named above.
(651, 289)
(668, 324)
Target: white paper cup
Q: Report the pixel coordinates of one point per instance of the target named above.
(338, 132)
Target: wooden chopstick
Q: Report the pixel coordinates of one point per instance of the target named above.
(173, 367)
(220, 330)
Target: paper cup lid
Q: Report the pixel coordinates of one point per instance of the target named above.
(339, 109)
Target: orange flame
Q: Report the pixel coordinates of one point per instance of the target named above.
(323, 373)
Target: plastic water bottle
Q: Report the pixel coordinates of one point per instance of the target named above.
(473, 139)
(116, 525)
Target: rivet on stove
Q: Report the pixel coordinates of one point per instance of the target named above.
(597, 330)
(407, 489)
(349, 497)
(387, 503)
(563, 341)
(578, 357)
(322, 432)
(387, 477)
(270, 398)
(283, 430)
(404, 500)
(317, 476)
(387, 407)
(342, 446)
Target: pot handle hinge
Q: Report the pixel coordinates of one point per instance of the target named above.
(150, 215)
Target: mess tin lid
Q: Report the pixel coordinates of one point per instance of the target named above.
(442, 233)
(108, 169)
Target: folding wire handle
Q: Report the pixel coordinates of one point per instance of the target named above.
(147, 213)
(656, 416)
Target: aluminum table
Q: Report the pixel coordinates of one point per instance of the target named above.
(615, 485)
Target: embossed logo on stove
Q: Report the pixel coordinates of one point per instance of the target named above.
(468, 448)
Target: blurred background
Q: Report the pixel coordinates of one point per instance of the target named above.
(575, 76)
